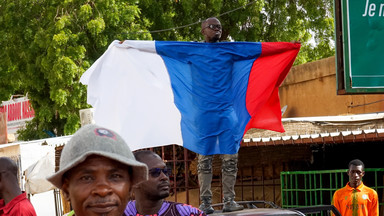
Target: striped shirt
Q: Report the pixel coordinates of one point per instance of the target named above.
(167, 209)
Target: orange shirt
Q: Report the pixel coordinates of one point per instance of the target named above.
(362, 201)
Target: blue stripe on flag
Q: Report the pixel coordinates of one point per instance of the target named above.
(210, 92)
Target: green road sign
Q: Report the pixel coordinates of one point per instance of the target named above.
(362, 35)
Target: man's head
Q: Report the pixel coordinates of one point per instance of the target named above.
(211, 30)
(355, 172)
(97, 171)
(157, 186)
(8, 175)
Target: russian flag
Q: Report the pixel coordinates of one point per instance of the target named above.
(203, 96)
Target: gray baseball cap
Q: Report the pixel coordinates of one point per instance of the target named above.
(95, 140)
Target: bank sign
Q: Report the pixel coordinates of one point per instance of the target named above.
(18, 112)
(362, 27)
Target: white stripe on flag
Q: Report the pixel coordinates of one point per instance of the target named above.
(131, 93)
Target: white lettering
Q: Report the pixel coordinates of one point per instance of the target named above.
(366, 8)
(370, 9)
(381, 10)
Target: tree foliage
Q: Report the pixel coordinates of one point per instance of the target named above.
(46, 47)
(310, 22)
(48, 44)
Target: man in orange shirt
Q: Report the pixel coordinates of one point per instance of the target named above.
(356, 199)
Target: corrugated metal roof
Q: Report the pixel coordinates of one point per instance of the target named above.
(54, 141)
(340, 118)
(321, 130)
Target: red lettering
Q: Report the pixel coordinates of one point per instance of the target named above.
(25, 111)
(10, 112)
(18, 112)
(28, 112)
(14, 112)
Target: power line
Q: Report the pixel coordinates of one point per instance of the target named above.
(191, 24)
(228, 12)
(359, 105)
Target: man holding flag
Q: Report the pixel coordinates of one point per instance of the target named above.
(211, 29)
(203, 96)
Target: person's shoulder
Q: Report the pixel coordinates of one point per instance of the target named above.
(340, 191)
(26, 208)
(130, 209)
(71, 213)
(370, 190)
(131, 202)
(187, 209)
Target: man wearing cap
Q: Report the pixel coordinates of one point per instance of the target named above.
(97, 172)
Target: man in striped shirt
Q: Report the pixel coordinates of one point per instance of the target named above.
(356, 199)
(149, 195)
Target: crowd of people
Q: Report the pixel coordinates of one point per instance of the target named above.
(100, 175)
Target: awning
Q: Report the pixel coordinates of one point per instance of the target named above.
(36, 174)
(321, 130)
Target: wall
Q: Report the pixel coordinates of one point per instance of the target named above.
(3, 128)
(310, 90)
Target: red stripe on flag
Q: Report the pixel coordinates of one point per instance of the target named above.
(267, 74)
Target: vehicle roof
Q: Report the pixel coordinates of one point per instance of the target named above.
(260, 212)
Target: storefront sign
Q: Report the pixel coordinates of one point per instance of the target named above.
(18, 112)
